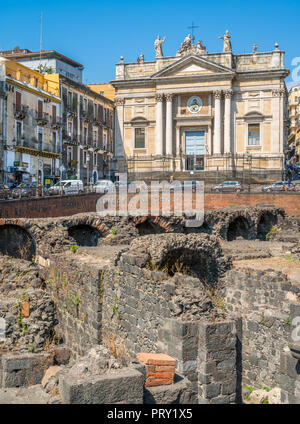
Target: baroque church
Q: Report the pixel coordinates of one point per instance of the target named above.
(202, 113)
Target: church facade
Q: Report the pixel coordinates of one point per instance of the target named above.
(200, 112)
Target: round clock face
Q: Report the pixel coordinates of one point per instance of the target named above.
(194, 104)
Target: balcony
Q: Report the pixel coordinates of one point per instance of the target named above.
(85, 116)
(70, 110)
(42, 118)
(20, 111)
(56, 122)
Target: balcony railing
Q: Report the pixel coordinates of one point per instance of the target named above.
(20, 111)
(42, 118)
(56, 122)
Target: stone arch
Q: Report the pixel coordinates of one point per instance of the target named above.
(84, 234)
(196, 255)
(266, 222)
(17, 242)
(148, 225)
(238, 227)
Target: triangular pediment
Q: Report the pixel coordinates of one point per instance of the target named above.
(192, 65)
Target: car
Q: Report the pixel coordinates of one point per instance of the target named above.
(66, 187)
(28, 190)
(279, 186)
(228, 186)
(4, 191)
(103, 186)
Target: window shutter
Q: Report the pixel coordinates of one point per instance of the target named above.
(54, 114)
(40, 109)
(18, 101)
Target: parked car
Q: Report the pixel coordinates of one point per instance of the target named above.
(228, 186)
(4, 191)
(67, 187)
(28, 190)
(279, 186)
(103, 186)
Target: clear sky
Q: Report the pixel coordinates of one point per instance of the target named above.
(97, 33)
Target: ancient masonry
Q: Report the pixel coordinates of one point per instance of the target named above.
(145, 310)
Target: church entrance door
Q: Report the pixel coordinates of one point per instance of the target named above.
(194, 150)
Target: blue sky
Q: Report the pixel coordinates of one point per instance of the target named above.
(97, 33)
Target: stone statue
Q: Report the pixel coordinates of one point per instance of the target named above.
(158, 48)
(227, 44)
(186, 45)
(140, 59)
(200, 48)
(255, 48)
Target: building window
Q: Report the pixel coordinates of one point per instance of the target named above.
(101, 93)
(104, 115)
(40, 109)
(53, 114)
(40, 136)
(70, 155)
(69, 98)
(18, 101)
(95, 138)
(253, 135)
(70, 128)
(95, 159)
(18, 130)
(139, 142)
(85, 105)
(84, 158)
(105, 141)
(85, 132)
(54, 138)
(95, 111)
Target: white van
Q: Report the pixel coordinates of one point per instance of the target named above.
(67, 187)
(103, 186)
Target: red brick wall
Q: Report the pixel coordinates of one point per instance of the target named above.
(48, 207)
(70, 205)
(288, 201)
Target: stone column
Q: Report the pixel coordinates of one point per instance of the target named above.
(217, 122)
(227, 121)
(169, 124)
(119, 128)
(159, 125)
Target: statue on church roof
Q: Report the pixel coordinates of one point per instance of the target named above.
(157, 46)
(188, 48)
(227, 43)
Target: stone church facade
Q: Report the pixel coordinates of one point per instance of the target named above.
(202, 113)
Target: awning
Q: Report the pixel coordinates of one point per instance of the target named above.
(35, 152)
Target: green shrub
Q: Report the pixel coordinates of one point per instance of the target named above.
(74, 248)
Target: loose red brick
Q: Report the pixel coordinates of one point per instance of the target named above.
(155, 359)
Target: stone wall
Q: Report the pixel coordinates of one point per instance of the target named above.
(262, 299)
(75, 289)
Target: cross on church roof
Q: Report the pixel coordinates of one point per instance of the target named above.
(192, 27)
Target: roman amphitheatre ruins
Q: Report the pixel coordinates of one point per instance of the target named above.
(145, 310)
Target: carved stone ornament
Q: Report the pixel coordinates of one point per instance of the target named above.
(169, 97)
(194, 104)
(218, 94)
(228, 94)
(278, 92)
(119, 101)
(188, 48)
(159, 97)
